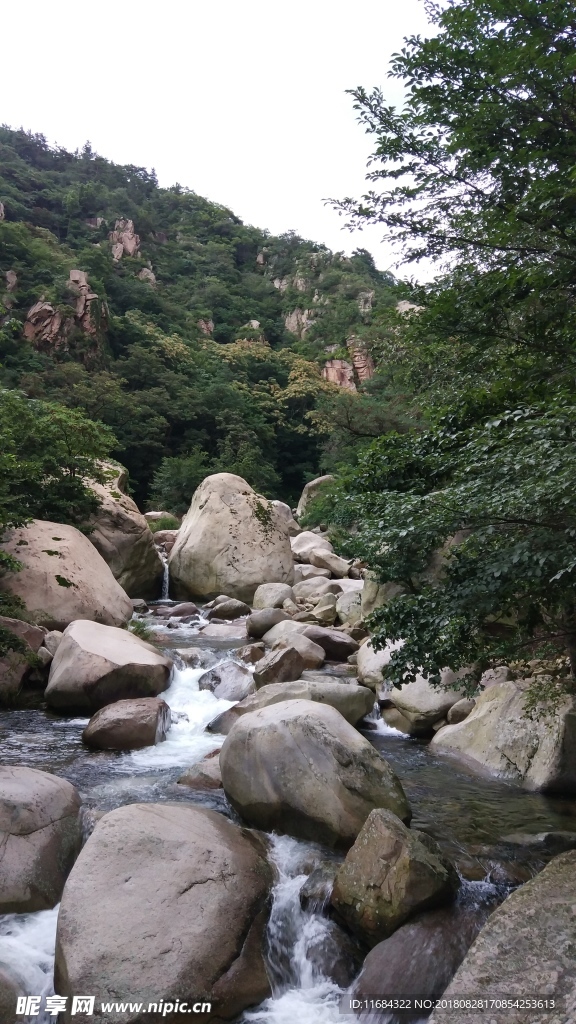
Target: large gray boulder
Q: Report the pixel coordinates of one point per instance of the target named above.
(228, 681)
(305, 543)
(312, 654)
(422, 705)
(526, 948)
(260, 622)
(272, 595)
(128, 725)
(337, 644)
(311, 490)
(176, 900)
(96, 665)
(122, 536)
(300, 768)
(282, 665)
(371, 664)
(498, 736)
(353, 702)
(40, 836)
(63, 577)
(391, 873)
(231, 541)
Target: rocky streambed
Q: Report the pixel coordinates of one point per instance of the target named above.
(314, 955)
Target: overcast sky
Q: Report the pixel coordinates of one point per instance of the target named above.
(242, 101)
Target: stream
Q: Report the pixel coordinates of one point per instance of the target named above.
(469, 816)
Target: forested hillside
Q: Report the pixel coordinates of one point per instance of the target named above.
(199, 341)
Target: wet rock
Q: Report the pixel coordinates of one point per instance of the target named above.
(334, 954)
(460, 710)
(260, 622)
(498, 735)
(185, 608)
(128, 725)
(337, 645)
(122, 536)
(228, 681)
(389, 874)
(317, 889)
(196, 657)
(63, 577)
(230, 609)
(11, 987)
(226, 631)
(312, 654)
(40, 837)
(251, 653)
(272, 595)
(204, 776)
(139, 605)
(279, 666)
(543, 843)
(395, 719)
(530, 936)
(353, 702)
(172, 878)
(96, 665)
(423, 704)
(300, 768)
(231, 540)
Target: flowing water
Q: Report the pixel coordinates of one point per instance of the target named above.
(310, 970)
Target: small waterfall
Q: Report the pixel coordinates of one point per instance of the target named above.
(165, 594)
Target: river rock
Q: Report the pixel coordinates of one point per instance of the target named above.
(205, 775)
(390, 873)
(349, 607)
(251, 653)
(226, 630)
(312, 654)
(122, 536)
(272, 595)
(459, 711)
(231, 541)
(375, 594)
(371, 664)
(422, 956)
(423, 704)
(299, 767)
(285, 512)
(282, 629)
(165, 539)
(230, 609)
(97, 665)
(304, 572)
(15, 665)
(325, 611)
(196, 657)
(527, 941)
(305, 543)
(260, 622)
(311, 490)
(279, 666)
(498, 735)
(176, 897)
(353, 702)
(325, 559)
(11, 986)
(182, 609)
(337, 645)
(63, 577)
(52, 640)
(128, 724)
(228, 681)
(40, 836)
(314, 588)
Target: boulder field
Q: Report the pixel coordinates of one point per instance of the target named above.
(177, 901)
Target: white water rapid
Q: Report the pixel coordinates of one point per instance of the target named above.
(27, 944)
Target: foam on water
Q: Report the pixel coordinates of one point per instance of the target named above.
(193, 709)
(27, 944)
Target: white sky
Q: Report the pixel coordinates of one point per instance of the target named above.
(242, 101)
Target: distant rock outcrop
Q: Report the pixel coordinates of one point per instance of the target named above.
(299, 321)
(340, 372)
(48, 327)
(125, 241)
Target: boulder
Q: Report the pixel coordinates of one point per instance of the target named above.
(304, 572)
(312, 654)
(324, 559)
(311, 490)
(337, 645)
(390, 873)
(353, 702)
(226, 631)
(195, 657)
(185, 608)
(15, 665)
(282, 629)
(251, 653)
(153, 517)
(375, 594)
(530, 936)
(63, 577)
(228, 681)
(205, 775)
(230, 609)
(128, 724)
(176, 898)
(272, 595)
(349, 607)
(422, 956)
(498, 736)
(122, 536)
(422, 704)
(11, 986)
(282, 665)
(285, 512)
(96, 665)
(40, 836)
(261, 622)
(231, 540)
(52, 640)
(371, 664)
(315, 588)
(299, 767)
(165, 539)
(305, 543)
(460, 710)
(325, 611)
